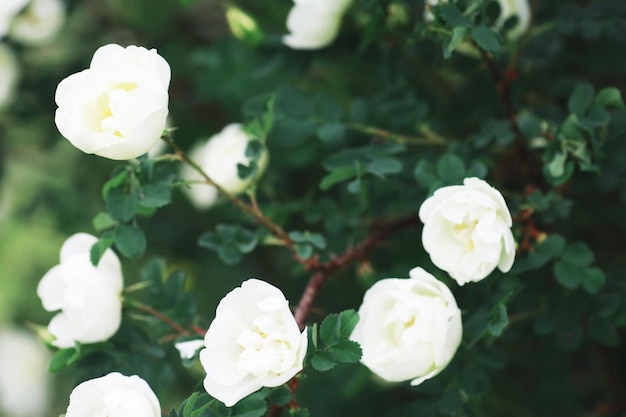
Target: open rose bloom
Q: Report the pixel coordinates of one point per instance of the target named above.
(88, 297)
(409, 329)
(114, 395)
(116, 108)
(253, 342)
(467, 230)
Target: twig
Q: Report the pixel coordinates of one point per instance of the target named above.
(251, 210)
(147, 309)
(325, 270)
(428, 137)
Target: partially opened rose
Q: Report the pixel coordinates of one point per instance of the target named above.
(118, 106)
(314, 24)
(409, 329)
(467, 230)
(88, 297)
(218, 157)
(114, 395)
(253, 342)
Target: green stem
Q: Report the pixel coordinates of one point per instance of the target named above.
(428, 136)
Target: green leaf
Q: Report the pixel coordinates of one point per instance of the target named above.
(330, 330)
(474, 381)
(229, 254)
(476, 326)
(279, 396)
(348, 320)
(499, 321)
(304, 250)
(458, 34)
(581, 99)
(115, 181)
(130, 240)
(254, 149)
(603, 332)
(250, 406)
(189, 404)
(556, 167)
(339, 175)
(122, 201)
(346, 351)
(486, 39)
(578, 254)
(103, 221)
(610, 96)
(452, 15)
(332, 132)
(384, 165)
(63, 358)
(594, 280)
(426, 173)
(245, 172)
(97, 249)
(156, 195)
(568, 275)
(323, 361)
(451, 169)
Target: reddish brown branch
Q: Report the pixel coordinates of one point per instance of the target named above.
(147, 309)
(325, 270)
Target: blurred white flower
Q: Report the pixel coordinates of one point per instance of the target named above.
(8, 9)
(218, 157)
(253, 342)
(24, 377)
(114, 395)
(408, 328)
(189, 348)
(508, 9)
(89, 297)
(467, 230)
(117, 108)
(314, 24)
(9, 74)
(39, 23)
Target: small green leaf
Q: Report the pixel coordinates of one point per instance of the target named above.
(425, 173)
(346, 351)
(130, 240)
(122, 201)
(323, 361)
(103, 221)
(250, 406)
(603, 332)
(115, 181)
(338, 175)
(451, 169)
(593, 280)
(255, 149)
(189, 404)
(605, 305)
(578, 254)
(229, 254)
(332, 132)
(156, 195)
(486, 39)
(304, 250)
(330, 330)
(97, 249)
(581, 99)
(245, 172)
(499, 321)
(382, 166)
(63, 358)
(458, 34)
(610, 96)
(452, 15)
(568, 275)
(348, 320)
(279, 396)
(556, 167)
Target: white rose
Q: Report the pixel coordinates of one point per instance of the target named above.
(508, 9)
(314, 24)
(253, 342)
(118, 106)
(89, 297)
(39, 23)
(114, 395)
(467, 230)
(408, 328)
(218, 157)
(24, 377)
(9, 74)
(8, 9)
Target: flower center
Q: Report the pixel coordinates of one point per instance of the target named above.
(110, 107)
(464, 232)
(265, 348)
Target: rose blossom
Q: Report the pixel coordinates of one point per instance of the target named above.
(118, 106)
(88, 296)
(253, 342)
(314, 24)
(114, 395)
(8, 9)
(508, 9)
(39, 23)
(218, 157)
(467, 230)
(408, 328)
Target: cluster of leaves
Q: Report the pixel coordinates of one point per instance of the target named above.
(332, 343)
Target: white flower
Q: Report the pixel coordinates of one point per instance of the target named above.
(24, 377)
(253, 342)
(508, 9)
(218, 157)
(9, 74)
(467, 230)
(89, 297)
(118, 106)
(39, 23)
(314, 24)
(189, 348)
(114, 395)
(408, 328)
(8, 9)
